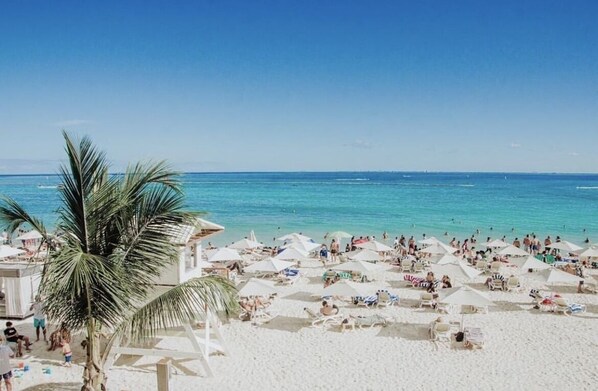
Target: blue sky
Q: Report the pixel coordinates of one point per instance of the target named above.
(308, 85)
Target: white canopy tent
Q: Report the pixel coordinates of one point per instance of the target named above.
(31, 235)
(20, 283)
(8, 251)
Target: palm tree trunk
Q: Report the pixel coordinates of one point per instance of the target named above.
(94, 378)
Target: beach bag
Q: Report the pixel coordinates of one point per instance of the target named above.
(459, 336)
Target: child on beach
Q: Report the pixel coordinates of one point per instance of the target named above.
(68, 354)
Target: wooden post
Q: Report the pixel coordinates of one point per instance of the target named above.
(163, 375)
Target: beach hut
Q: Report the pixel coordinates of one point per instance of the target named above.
(200, 347)
(189, 240)
(19, 283)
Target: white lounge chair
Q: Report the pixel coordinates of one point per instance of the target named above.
(427, 299)
(386, 300)
(561, 305)
(495, 267)
(513, 284)
(440, 331)
(317, 319)
(482, 266)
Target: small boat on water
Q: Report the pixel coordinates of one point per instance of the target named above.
(50, 186)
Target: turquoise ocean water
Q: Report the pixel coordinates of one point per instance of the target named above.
(369, 203)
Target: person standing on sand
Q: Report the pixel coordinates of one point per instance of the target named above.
(6, 354)
(334, 250)
(39, 317)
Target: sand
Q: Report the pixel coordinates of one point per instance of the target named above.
(524, 349)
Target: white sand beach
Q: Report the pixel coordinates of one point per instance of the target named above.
(524, 348)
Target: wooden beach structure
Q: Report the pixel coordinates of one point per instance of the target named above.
(204, 340)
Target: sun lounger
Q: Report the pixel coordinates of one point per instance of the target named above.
(513, 284)
(427, 299)
(495, 267)
(440, 331)
(562, 306)
(386, 299)
(474, 338)
(367, 301)
(364, 321)
(317, 319)
(498, 282)
(482, 266)
(418, 267)
(406, 266)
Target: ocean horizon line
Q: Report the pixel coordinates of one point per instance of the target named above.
(337, 172)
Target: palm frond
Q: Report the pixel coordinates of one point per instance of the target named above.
(12, 215)
(180, 304)
(87, 170)
(80, 286)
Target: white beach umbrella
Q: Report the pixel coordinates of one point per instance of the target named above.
(443, 259)
(458, 270)
(365, 255)
(345, 288)
(360, 266)
(303, 246)
(429, 241)
(8, 251)
(555, 276)
(256, 287)
(292, 254)
(590, 252)
(222, 255)
(269, 265)
(497, 243)
(295, 237)
(340, 235)
(438, 248)
(530, 262)
(464, 295)
(31, 235)
(513, 251)
(374, 246)
(245, 244)
(565, 246)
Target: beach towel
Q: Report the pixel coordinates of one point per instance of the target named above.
(575, 308)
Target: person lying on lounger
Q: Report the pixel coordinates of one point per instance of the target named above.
(328, 309)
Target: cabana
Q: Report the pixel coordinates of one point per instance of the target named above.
(19, 283)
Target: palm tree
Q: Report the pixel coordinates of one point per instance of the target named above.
(117, 235)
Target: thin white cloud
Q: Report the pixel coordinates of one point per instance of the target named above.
(359, 144)
(515, 145)
(72, 122)
(573, 154)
